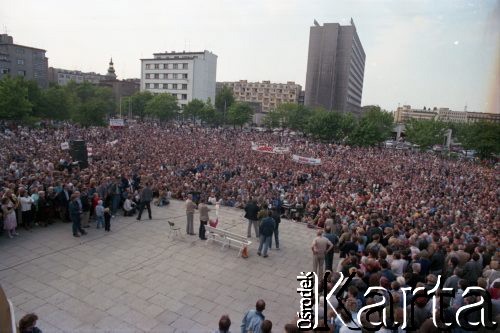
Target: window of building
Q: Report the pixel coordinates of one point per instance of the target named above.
(184, 66)
(157, 86)
(184, 87)
(165, 86)
(148, 66)
(157, 76)
(19, 51)
(21, 73)
(175, 66)
(148, 76)
(176, 76)
(147, 85)
(4, 71)
(184, 76)
(165, 76)
(20, 61)
(174, 86)
(184, 96)
(157, 66)
(165, 66)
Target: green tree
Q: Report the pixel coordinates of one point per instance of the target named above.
(138, 103)
(35, 96)
(224, 100)
(163, 107)
(374, 127)
(323, 125)
(90, 104)
(209, 115)
(239, 114)
(275, 118)
(296, 116)
(57, 103)
(14, 102)
(193, 109)
(483, 137)
(424, 133)
(92, 112)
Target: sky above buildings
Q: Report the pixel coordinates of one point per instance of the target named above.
(420, 52)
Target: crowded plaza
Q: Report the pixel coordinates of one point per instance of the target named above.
(391, 218)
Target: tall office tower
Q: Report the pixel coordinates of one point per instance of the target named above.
(335, 68)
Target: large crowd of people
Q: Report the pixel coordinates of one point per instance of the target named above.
(397, 218)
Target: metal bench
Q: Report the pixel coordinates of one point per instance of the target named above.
(227, 238)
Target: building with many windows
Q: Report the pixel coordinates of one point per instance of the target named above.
(335, 68)
(18, 60)
(64, 76)
(186, 75)
(406, 112)
(269, 95)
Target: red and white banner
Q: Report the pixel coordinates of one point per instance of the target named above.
(306, 160)
(269, 149)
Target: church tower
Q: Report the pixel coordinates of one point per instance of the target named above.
(111, 71)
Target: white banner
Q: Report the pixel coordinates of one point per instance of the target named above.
(65, 146)
(117, 122)
(306, 160)
(269, 149)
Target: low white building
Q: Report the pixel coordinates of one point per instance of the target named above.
(186, 75)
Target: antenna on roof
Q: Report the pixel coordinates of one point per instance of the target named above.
(316, 23)
(5, 29)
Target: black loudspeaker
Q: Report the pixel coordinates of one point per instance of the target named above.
(78, 152)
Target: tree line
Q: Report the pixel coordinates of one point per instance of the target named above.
(90, 105)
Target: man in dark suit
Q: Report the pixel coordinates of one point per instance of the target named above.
(145, 201)
(251, 211)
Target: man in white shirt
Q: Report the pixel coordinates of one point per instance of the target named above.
(27, 216)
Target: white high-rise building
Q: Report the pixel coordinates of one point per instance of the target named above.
(186, 75)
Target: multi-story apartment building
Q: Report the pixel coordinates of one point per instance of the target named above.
(186, 75)
(269, 95)
(405, 113)
(63, 76)
(18, 60)
(335, 68)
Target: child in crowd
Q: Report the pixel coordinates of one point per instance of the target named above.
(99, 214)
(107, 219)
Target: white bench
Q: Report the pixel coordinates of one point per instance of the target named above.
(227, 238)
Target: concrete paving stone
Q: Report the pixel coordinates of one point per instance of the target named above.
(205, 305)
(32, 305)
(159, 299)
(167, 317)
(76, 307)
(183, 323)
(138, 273)
(113, 324)
(151, 311)
(63, 320)
(139, 320)
(45, 309)
(98, 301)
(118, 310)
(206, 319)
(57, 298)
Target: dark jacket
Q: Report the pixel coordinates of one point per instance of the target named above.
(267, 226)
(74, 210)
(146, 194)
(251, 211)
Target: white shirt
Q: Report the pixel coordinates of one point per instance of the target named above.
(26, 203)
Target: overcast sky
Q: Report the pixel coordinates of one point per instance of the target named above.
(418, 52)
